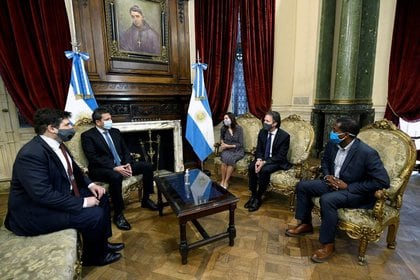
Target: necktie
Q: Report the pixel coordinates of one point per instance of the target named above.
(70, 171)
(117, 159)
(267, 147)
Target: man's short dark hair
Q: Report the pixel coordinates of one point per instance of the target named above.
(349, 125)
(276, 117)
(48, 116)
(135, 8)
(98, 112)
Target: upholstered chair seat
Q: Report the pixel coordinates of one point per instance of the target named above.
(398, 153)
(301, 140)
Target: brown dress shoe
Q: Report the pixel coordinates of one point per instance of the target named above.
(300, 230)
(321, 255)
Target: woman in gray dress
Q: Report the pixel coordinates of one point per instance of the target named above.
(231, 145)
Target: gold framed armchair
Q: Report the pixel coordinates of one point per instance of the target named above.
(133, 183)
(251, 125)
(301, 139)
(398, 153)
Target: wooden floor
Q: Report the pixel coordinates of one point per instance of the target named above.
(261, 249)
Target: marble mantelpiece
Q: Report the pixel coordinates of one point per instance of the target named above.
(174, 125)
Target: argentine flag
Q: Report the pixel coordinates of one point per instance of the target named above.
(80, 99)
(199, 130)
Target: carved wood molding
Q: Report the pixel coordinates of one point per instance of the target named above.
(141, 88)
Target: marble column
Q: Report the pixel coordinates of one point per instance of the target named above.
(345, 74)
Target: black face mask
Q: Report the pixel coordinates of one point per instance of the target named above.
(66, 134)
(267, 126)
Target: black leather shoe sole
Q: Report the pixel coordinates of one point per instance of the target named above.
(109, 258)
(115, 247)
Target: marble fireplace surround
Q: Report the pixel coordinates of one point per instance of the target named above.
(174, 125)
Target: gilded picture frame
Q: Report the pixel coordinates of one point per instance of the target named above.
(137, 30)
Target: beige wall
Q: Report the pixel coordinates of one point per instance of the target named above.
(295, 56)
(383, 50)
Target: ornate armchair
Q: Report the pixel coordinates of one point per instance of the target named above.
(251, 125)
(301, 139)
(398, 154)
(75, 146)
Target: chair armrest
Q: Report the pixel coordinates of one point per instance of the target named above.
(378, 209)
(315, 172)
(135, 156)
(216, 149)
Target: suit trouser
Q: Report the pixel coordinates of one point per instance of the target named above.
(258, 182)
(114, 179)
(330, 202)
(94, 224)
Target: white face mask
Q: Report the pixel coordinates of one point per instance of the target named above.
(108, 125)
(227, 122)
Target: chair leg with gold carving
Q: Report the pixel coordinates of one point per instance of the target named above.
(362, 250)
(292, 201)
(392, 235)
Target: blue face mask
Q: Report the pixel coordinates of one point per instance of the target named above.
(108, 125)
(334, 137)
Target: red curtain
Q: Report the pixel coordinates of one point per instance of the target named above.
(216, 25)
(33, 37)
(404, 69)
(257, 31)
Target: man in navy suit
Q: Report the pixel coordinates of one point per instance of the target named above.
(270, 156)
(352, 171)
(49, 192)
(110, 161)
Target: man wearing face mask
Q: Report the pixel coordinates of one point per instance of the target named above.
(49, 192)
(352, 173)
(110, 161)
(270, 156)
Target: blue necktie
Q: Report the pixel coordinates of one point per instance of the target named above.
(117, 159)
(267, 147)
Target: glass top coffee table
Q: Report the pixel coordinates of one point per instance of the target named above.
(192, 195)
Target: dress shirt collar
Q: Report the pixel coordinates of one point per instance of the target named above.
(54, 144)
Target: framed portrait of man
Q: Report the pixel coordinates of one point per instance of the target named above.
(137, 29)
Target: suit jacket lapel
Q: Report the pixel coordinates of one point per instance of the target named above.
(54, 156)
(102, 140)
(350, 155)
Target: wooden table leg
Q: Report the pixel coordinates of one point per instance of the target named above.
(183, 246)
(231, 229)
(160, 202)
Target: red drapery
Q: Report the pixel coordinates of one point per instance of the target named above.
(216, 25)
(404, 69)
(33, 37)
(216, 30)
(257, 31)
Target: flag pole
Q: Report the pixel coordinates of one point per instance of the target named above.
(69, 9)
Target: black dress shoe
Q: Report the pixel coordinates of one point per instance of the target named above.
(115, 247)
(149, 204)
(255, 205)
(121, 222)
(109, 258)
(249, 202)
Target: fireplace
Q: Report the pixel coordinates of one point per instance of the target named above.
(169, 134)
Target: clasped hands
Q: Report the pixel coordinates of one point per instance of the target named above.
(124, 170)
(98, 192)
(258, 165)
(335, 183)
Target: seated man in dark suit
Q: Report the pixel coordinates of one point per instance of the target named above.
(49, 192)
(270, 156)
(110, 161)
(352, 171)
